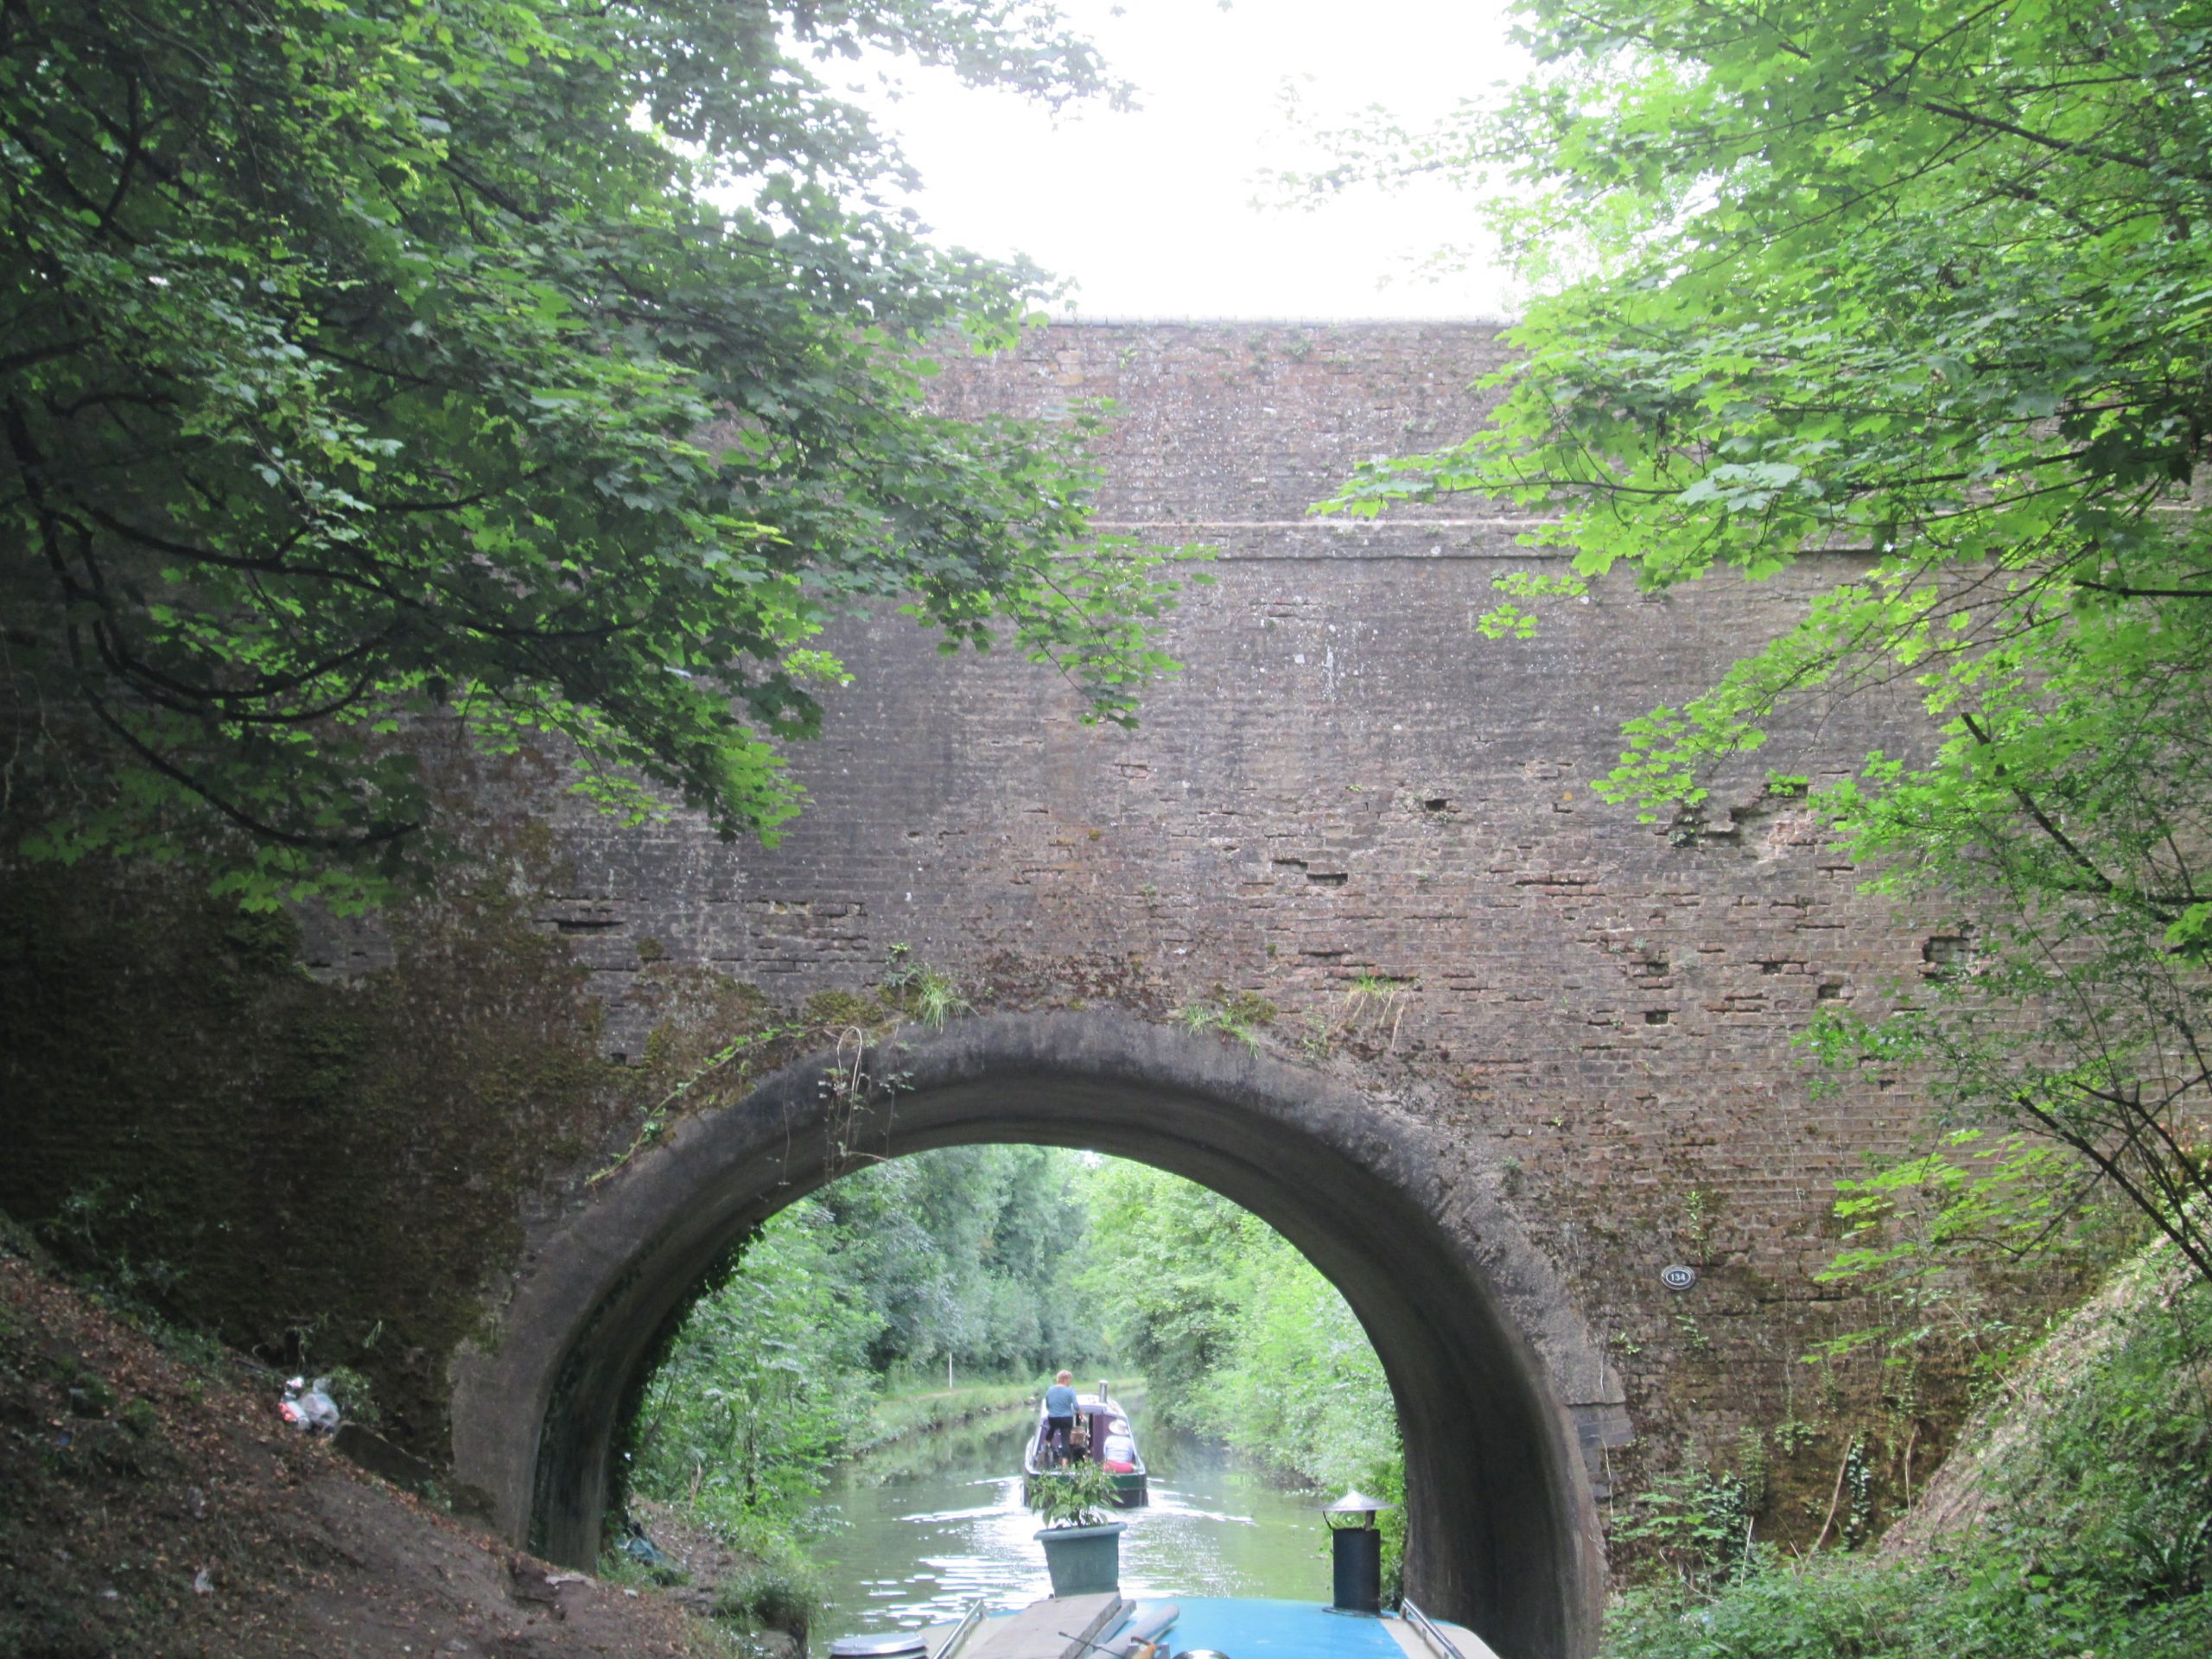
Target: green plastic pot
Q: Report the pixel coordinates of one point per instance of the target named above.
(1083, 1561)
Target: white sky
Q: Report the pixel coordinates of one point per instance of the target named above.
(1152, 211)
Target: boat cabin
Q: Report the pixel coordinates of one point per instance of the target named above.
(1101, 1433)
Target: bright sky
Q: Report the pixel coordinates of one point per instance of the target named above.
(1153, 212)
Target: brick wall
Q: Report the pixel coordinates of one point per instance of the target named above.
(1348, 785)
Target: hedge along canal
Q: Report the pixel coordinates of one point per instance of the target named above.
(921, 1529)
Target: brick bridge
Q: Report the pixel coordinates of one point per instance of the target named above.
(1524, 1051)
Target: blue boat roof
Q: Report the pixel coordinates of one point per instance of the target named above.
(1245, 1627)
(1251, 1627)
(1254, 1627)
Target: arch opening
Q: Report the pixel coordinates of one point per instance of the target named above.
(860, 1387)
(1482, 1355)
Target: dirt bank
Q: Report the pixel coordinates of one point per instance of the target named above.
(155, 1505)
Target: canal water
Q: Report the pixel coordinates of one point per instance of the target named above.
(918, 1532)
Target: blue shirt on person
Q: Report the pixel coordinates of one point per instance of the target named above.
(1059, 1401)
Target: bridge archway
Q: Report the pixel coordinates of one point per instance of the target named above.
(1482, 1351)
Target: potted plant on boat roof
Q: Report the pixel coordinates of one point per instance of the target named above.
(1083, 1549)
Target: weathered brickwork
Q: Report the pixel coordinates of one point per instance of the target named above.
(1352, 806)
(1558, 1039)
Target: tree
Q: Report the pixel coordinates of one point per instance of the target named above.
(1927, 287)
(1165, 1275)
(1236, 1333)
(764, 1381)
(1238, 1336)
(964, 1254)
(373, 363)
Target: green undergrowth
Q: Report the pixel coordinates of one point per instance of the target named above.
(2094, 1536)
(771, 1596)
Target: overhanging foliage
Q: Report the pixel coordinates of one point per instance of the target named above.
(372, 361)
(1924, 291)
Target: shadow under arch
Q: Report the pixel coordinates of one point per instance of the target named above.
(1483, 1354)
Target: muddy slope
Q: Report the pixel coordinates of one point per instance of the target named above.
(153, 1504)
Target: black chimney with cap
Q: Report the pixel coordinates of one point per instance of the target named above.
(1355, 1549)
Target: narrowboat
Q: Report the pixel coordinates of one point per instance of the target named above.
(1101, 1432)
(1107, 1627)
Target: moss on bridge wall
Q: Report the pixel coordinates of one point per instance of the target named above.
(340, 1170)
(345, 1170)
(324, 1173)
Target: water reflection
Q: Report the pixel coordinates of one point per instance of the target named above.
(916, 1534)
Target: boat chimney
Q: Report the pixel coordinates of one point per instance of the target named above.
(1356, 1552)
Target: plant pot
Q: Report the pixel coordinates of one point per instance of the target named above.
(1083, 1561)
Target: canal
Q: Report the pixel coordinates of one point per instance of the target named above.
(918, 1532)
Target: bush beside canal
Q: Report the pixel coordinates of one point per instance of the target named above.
(2074, 1522)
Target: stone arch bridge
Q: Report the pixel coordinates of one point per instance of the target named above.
(1513, 1054)
(1524, 1053)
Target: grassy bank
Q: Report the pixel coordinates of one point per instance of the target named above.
(2085, 1527)
(901, 1413)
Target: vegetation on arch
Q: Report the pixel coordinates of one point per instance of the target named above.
(1925, 292)
(530, 369)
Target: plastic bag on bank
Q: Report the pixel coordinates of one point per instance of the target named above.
(640, 1548)
(311, 1408)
